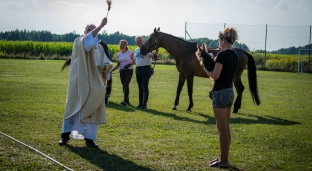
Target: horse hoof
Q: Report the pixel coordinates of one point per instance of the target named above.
(188, 110)
(173, 108)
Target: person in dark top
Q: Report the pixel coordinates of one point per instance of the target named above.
(222, 93)
(109, 75)
(143, 72)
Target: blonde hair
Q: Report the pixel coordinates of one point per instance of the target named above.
(123, 41)
(229, 34)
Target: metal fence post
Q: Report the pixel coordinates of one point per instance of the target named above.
(309, 50)
(185, 31)
(265, 44)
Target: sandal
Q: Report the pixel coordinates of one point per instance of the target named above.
(214, 160)
(216, 164)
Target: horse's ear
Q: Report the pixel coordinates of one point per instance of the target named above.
(204, 46)
(156, 32)
(199, 47)
(158, 29)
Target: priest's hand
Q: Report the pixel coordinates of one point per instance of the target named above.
(104, 22)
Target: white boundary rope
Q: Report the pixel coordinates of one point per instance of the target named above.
(37, 151)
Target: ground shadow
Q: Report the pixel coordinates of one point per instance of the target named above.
(106, 161)
(180, 118)
(245, 119)
(233, 168)
(118, 106)
(255, 119)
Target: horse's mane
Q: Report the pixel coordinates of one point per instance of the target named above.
(177, 38)
(190, 46)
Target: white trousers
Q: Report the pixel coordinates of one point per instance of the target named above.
(78, 129)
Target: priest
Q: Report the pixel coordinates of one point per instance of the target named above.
(85, 106)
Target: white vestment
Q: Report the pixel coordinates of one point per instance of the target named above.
(85, 103)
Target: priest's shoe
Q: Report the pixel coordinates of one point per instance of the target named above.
(64, 138)
(63, 141)
(90, 143)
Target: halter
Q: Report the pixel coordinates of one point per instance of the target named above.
(155, 47)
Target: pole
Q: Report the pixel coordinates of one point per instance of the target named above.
(185, 30)
(189, 36)
(309, 50)
(299, 61)
(265, 43)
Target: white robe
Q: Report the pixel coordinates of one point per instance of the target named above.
(87, 129)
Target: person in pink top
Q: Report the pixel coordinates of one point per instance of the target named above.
(125, 62)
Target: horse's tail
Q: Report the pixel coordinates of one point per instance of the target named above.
(252, 79)
(66, 64)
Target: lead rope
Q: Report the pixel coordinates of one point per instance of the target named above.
(37, 151)
(155, 57)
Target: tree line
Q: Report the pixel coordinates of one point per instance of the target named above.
(47, 36)
(114, 38)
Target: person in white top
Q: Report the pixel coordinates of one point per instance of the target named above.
(143, 72)
(85, 103)
(125, 62)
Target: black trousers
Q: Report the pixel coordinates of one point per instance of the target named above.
(125, 78)
(108, 89)
(109, 86)
(143, 76)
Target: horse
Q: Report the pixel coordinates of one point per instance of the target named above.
(188, 66)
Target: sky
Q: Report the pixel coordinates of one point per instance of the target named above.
(140, 17)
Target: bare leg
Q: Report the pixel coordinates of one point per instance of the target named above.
(222, 118)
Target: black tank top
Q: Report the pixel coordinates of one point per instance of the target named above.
(229, 60)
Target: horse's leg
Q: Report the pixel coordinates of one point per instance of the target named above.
(190, 80)
(239, 89)
(179, 89)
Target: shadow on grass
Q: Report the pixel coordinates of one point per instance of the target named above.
(119, 106)
(180, 118)
(270, 120)
(106, 161)
(233, 168)
(252, 119)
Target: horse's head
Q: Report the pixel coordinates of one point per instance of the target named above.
(205, 58)
(201, 52)
(151, 43)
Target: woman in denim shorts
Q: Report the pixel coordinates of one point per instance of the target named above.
(222, 93)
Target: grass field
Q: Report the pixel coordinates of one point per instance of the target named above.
(277, 135)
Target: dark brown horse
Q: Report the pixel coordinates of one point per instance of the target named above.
(188, 65)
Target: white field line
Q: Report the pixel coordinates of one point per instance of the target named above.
(37, 151)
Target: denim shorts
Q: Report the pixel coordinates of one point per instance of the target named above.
(223, 98)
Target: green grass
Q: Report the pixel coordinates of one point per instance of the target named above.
(273, 136)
